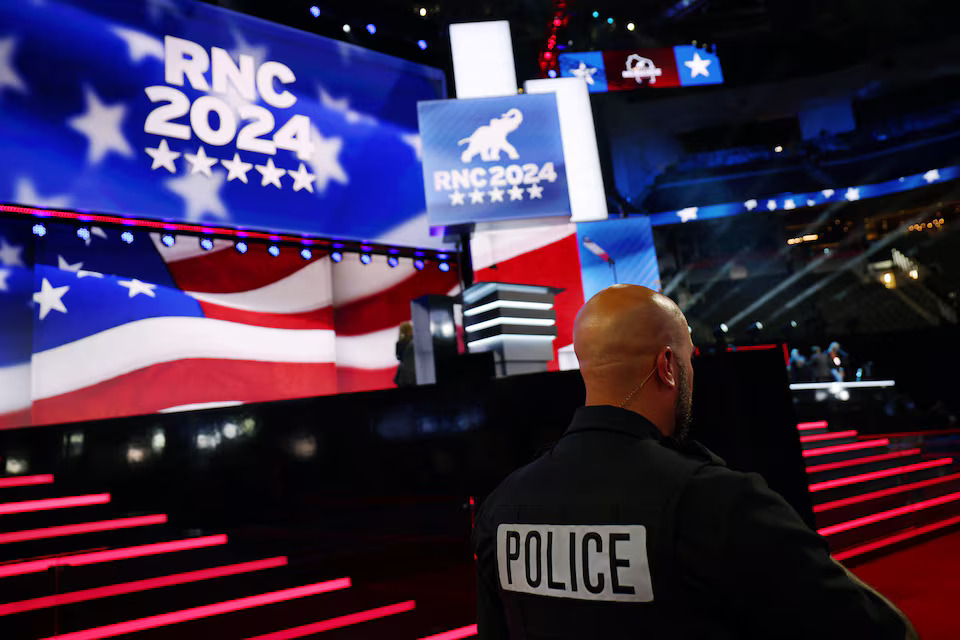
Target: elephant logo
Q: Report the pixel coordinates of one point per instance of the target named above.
(490, 139)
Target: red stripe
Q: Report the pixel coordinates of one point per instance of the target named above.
(174, 617)
(819, 424)
(47, 504)
(227, 271)
(352, 380)
(828, 436)
(891, 513)
(845, 502)
(171, 384)
(840, 448)
(23, 481)
(454, 634)
(73, 597)
(830, 466)
(390, 307)
(110, 555)
(899, 537)
(317, 319)
(555, 265)
(83, 527)
(876, 475)
(341, 621)
(15, 419)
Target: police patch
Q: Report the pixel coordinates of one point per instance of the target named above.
(585, 562)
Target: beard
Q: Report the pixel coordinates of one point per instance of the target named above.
(684, 406)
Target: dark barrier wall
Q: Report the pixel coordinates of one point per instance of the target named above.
(386, 470)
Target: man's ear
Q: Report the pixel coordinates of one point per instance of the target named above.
(666, 367)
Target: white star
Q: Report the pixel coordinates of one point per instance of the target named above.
(139, 44)
(50, 298)
(25, 193)
(750, 204)
(66, 266)
(698, 66)
(302, 179)
(828, 193)
(789, 204)
(324, 162)
(496, 195)
(415, 142)
(852, 194)
(516, 193)
(688, 214)
(8, 75)
(201, 195)
(101, 124)
(585, 72)
(810, 202)
(95, 231)
(163, 156)
(200, 162)
(535, 191)
(271, 174)
(771, 204)
(342, 105)
(4, 274)
(456, 198)
(476, 196)
(83, 273)
(135, 287)
(237, 168)
(10, 254)
(931, 176)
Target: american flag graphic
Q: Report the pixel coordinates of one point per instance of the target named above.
(96, 328)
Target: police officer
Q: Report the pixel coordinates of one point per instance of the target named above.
(625, 529)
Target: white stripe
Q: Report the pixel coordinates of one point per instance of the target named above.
(493, 247)
(376, 350)
(143, 343)
(353, 281)
(306, 290)
(802, 386)
(199, 406)
(186, 247)
(14, 388)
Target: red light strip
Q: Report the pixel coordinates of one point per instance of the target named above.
(840, 448)
(80, 559)
(752, 347)
(807, 426)
(875, 475)
(854, 462)
(139, 585)
(899, 537)
(184, 615)
(54, 503)
(22, 481)
(886, 515)
(462, 632)
(828, 436)
(341, 621)
(83, 527)
(826, 506)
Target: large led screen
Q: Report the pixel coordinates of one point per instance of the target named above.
(182, 111)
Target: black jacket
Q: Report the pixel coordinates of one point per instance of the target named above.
(617, 532)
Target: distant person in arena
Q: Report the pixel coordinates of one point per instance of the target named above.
(406, 374)
(627, 529)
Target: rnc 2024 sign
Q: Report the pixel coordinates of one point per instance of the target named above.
(491, 159)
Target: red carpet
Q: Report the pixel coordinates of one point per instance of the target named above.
(924, 581)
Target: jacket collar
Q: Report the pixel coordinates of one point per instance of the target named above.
(610, 418)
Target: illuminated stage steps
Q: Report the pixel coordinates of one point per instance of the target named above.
(869, 495)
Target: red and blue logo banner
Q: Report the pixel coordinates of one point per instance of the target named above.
(489, 159)
(680, 66)
(185, 112)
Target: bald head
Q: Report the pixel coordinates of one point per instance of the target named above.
(626, 332)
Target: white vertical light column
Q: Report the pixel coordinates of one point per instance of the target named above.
(483, 59)
(581, 157)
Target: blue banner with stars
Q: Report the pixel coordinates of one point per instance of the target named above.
(182, 111)
(489, 159)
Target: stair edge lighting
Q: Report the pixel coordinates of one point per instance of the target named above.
(882, 493)
(853, 462)
(46, 504)
(876, 475)
(840, 448)
(898, 537)
(890, 513)
(339, 621)
(817, 424)
(817, 437)
(454, 634)
(23, 481)
(83, 527)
